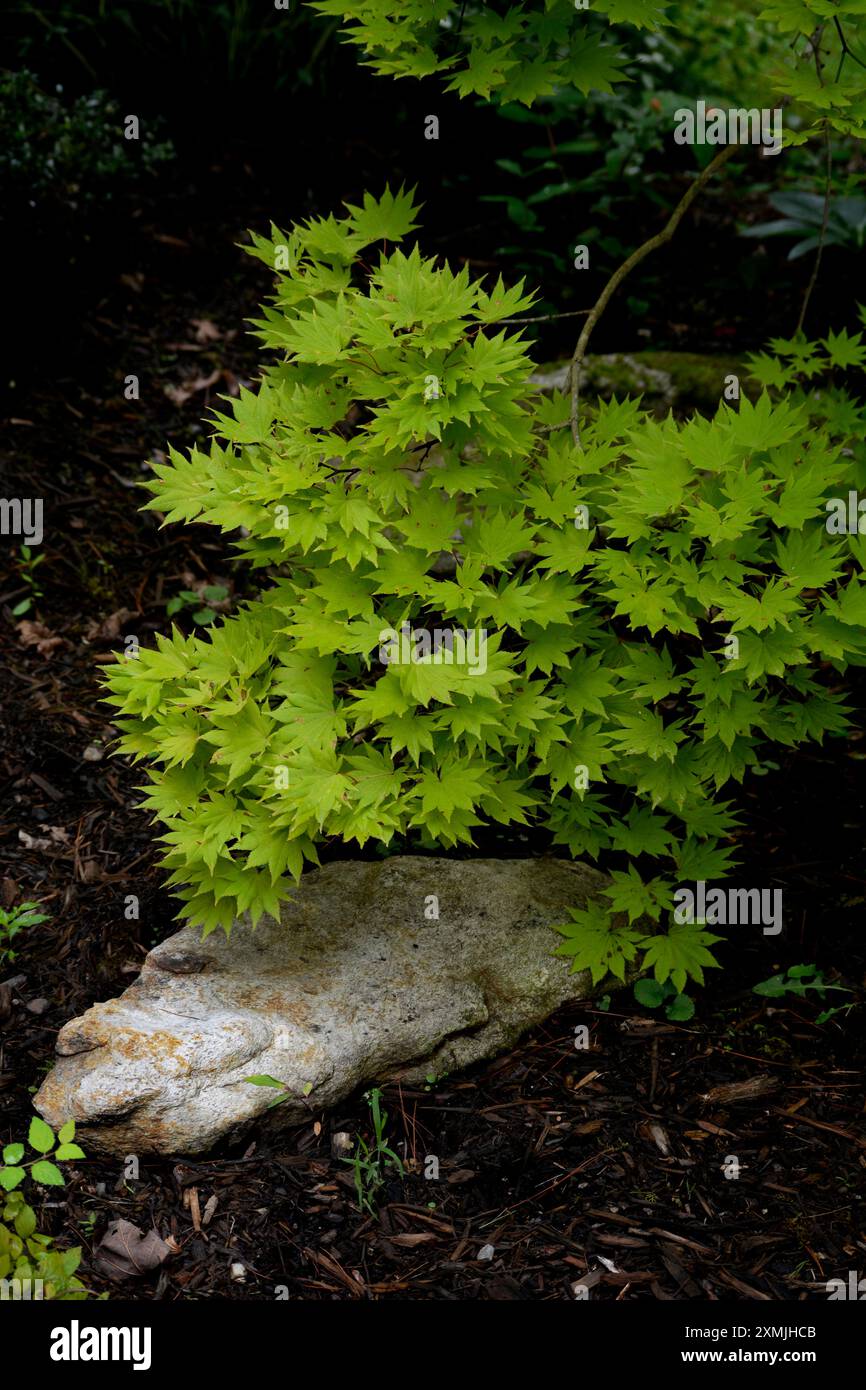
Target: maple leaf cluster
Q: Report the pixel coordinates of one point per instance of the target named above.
(636, 666)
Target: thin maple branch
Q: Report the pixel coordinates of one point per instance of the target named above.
(355, 363)
(846, 51)
(822, 238)
(827, 192)
(625, 269)
(548, 318)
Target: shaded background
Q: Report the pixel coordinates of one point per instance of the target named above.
(124, 258)
(249, 114)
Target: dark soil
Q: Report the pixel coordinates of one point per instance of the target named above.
(602, 1166)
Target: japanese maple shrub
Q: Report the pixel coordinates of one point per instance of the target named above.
(657, 602)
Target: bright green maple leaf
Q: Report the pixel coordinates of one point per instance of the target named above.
(680, 954)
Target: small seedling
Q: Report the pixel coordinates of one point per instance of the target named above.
(679, 1008)
(12, 921)
(370, 1161)
(286, 1094)
(88, 1222)
(27, 563)
(204, 603)
(797, 980)
(432, 1077)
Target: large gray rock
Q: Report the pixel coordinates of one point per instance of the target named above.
(680, 381)
(355, 985)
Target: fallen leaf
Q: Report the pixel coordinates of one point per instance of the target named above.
(124, 1253)
(179, 395)
(109, 629)
(33, 841)
(39, 636)
(56, 836)
(462, 1175)
(206, 330)
(659, 1138)
(202, 383)
(176, 394)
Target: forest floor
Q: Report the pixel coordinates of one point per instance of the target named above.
(603, 1167)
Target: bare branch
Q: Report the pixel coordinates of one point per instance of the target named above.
(548, 318)
(846, 51)
(823, 235)
(619, 275)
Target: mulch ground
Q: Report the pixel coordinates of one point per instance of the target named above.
(605, 1167)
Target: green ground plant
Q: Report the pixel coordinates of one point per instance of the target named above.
(28, 563)
(802, 215)
(200, 605)
(679, 1008)
(14, 920)
(372, 1162)
(29, 1264)
(68, 153)
(798, 981)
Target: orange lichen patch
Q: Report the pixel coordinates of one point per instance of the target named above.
(310, 1054)
(157, 1047)
(88, 1103)
(279, 1003)
(53, 1094)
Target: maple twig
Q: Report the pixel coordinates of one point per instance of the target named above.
(355, 363)
(846, 51)
(548, 318)
(625, 269)
(822, 237)
(828, 188)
